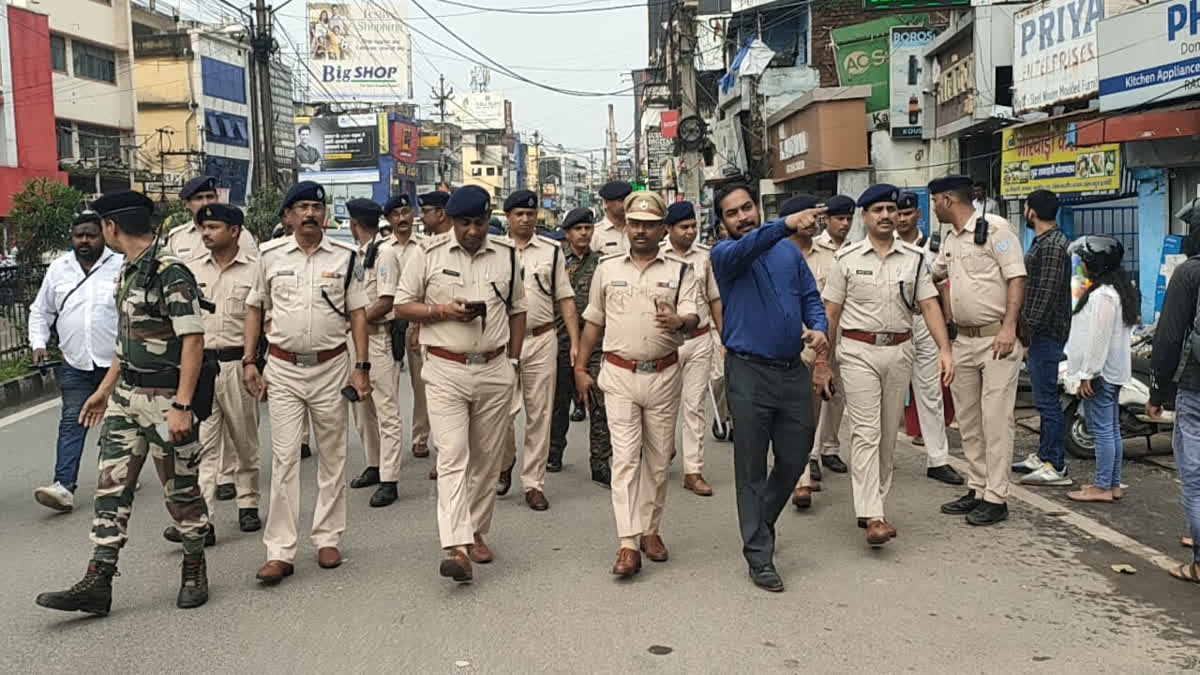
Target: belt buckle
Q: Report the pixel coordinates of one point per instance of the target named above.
(646, 366)
(883, 339)
(307, 360)
(476, 359)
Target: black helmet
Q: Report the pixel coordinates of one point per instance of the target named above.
(1190, 213)
(1100, 254)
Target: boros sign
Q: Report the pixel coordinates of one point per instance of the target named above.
(1151, 54)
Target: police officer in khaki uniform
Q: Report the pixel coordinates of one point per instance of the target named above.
(435, 222)
(546, 286)
(185, 240)
(307, 282)
(837, 225)
(465, 287)
(377, 417)
(224, 272)
(610, 235)
(695, 357)
(874, 288)
(982, 258)
(644, 305)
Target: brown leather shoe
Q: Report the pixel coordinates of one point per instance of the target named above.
(877, 532)
(274, 571)
(536, 500)
(456, 566)
(629, 562)
(433, 473)
(814, 485)
(802, 497)
(505, 481)
(654, 547)
(479, 551)
(328, 557)
(696, 483)
(890, 527)
(420, 450)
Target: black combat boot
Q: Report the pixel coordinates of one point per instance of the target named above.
(385, 495)
(93, 593)
(554, 461)
(193, 586)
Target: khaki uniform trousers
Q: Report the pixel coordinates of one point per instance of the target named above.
(695, 360)
(420, 414)
(876, 379)
(535, 390)
(295, 394)
(380, 426)
(717, 378)
(473, 405)
(985, 390)
(927, 394)
(642, 408)
(830, 423)
(230, 440)
(809, 358)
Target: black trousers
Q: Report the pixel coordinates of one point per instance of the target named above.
(771, 403)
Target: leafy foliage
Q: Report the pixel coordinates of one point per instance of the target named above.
(42, 214)
(262, 211)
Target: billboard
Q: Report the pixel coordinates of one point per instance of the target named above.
(1150, 54)
(862, 52)
(359, 50)
(406, 141)
(660, 160)
(336, 143)
(907, 117)
(1044, 157)
(479, 110)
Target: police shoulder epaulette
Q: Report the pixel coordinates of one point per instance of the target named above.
(178, 229)
(704, 247)
(272, 244)
(845, 250)
(911, 248)
(502, 240)
(202, 253)
(547, 240)
(436, 240)
(611, 256)
(341, 244)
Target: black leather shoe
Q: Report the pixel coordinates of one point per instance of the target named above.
(603, 476)
(988, 513)
(554, 462)
(225, 492)
(834, 463)
(814, 470)
(193, 585)
(248, 520)
(369, 477)
(173, 535)
(385, 494)
(766, 578)
(946, 474)
(305, 451)
(504, 483)
(578, 414)
(961, 506)
(92, 594)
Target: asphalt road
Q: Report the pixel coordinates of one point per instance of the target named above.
(1034, 594)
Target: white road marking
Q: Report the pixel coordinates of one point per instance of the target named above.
(29, 412)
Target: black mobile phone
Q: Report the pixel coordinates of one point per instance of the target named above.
(832, 393)
(350, 394)
(477, 308)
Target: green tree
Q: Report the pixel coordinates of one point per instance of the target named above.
(262, 211)
(42, 214)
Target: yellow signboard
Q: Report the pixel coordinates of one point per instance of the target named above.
(1044, 157)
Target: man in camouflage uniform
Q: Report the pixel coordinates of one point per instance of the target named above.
(145, 403)
(581, 263)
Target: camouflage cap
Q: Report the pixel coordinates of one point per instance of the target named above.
(645, 205)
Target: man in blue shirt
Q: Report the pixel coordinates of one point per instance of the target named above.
(771, 309)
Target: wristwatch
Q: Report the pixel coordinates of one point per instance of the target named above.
(516, 363)
(362, 365)
(180, 406)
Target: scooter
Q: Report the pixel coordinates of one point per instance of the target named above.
(1131, 399)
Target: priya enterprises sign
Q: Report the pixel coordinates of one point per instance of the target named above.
(1150, 54)
(1054, 53)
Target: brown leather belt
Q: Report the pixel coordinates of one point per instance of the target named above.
(542, 329)
(699, 331)
(655, 366)
(309, 359)
(476, 359)
(990, 330)
(881, 339)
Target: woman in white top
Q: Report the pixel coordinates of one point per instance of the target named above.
(1098, 356)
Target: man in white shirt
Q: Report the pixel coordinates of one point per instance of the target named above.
(982, 202)
(77, 300)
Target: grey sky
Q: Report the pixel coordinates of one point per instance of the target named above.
(585, 51)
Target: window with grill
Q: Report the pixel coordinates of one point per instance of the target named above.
(227, 128)
(65, 147)
(99, 140)
(97, 63)
(58, 53)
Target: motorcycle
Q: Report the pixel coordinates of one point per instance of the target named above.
(1131, 400)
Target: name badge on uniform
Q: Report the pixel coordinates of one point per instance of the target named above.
(665, 284)
(450, 273)
(618, 282)
(331, 275)
(360, 271)
(865, 273)
(610, 243)
(285, 273)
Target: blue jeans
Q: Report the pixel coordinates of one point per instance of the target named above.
(1103, 416)
(1186, 440)
(76, 386)
(1044, 355)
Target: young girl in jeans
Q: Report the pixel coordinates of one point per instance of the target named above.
(1098, 356)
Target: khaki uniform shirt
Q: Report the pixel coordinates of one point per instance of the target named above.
(293, 286)
(228, 289)
(607, 239)
(406, 251)
(706, 283)
(623, 301)
(442, 271)
(546, 280)
(381, 277)
(824, 241)
(820, 261)
(187, 242)
(979, 274)
(869, 287)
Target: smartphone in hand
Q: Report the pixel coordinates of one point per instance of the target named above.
(477, 308)
(350, 394)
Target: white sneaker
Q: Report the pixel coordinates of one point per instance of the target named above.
(1047, 475)
(1030, 464)
(55, 496)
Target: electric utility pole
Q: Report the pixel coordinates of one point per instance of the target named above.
(263, 45)
(690, 163)
(441, 96)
